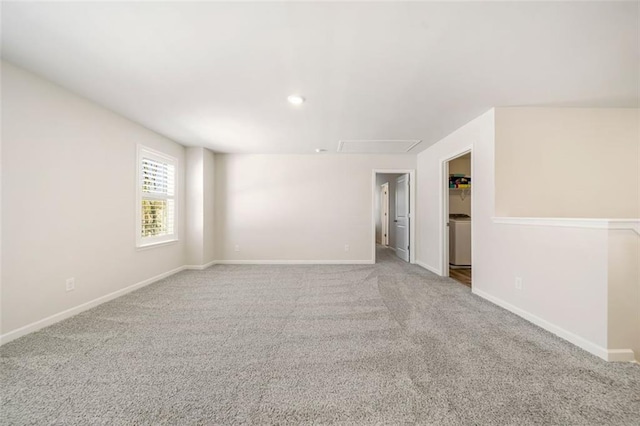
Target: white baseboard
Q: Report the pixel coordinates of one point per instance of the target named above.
(581, 342)
(35, 326)
(622, 355)
(201, 267)
(295, 262)
(429, 268)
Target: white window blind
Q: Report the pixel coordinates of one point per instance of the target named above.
(156, 200)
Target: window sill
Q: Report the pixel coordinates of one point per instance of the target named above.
(148, 246)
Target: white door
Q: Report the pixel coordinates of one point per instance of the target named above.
(384, 214)
(401, 221)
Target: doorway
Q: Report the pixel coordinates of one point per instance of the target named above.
(457, 215)
(393, 203)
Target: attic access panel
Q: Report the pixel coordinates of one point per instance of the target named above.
(382, 146)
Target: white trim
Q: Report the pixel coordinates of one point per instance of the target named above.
(35, 326)
(604, 223)
(158, 244)
(581, 342)
(293, 262)
(201, 267)
(429, 268)
(621, 355)
(412, 210)
(444, 207)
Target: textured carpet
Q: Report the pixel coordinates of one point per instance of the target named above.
(369, 344)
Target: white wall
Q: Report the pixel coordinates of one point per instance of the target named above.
(564, 270)
(209, 237)
(478, 134)
(624, 290)
(564, 276)
(297, 207)
(567, 162)
(194, 205)
(200, 201)
(69, 201)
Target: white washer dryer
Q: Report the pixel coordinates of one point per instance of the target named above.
(459, 240)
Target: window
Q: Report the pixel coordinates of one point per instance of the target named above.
(156, 202)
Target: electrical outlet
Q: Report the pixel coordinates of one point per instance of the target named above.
(237, 248)
(518, 283)
(346, 247)
(70, 284)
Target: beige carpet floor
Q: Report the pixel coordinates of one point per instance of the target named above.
(312, 344)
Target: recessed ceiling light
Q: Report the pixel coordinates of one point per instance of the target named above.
(321, 150)
(295, 99)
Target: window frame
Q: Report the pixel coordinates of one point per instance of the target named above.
(148, 242)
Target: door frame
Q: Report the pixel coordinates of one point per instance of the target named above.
(412, 210)
(384, 219)
(444, 210)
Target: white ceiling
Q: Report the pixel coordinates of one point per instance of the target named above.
(218, 74)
